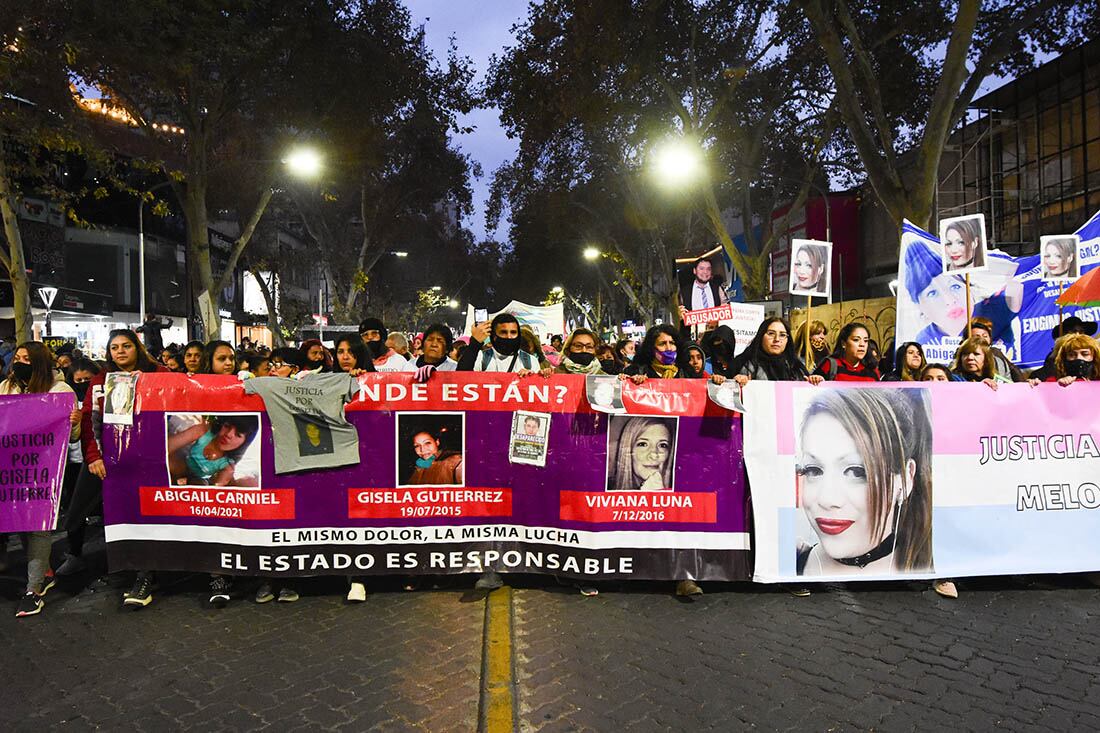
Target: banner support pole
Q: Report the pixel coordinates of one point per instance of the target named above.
(809, 349)
(1061, 291)
(968, 306)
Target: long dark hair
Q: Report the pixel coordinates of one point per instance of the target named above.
(326, 360)
(782, 367)
(647, 351)
(145, 363)
(246, 425)
(357, 348)
(208, 356)
(842, 338)
(42, 374)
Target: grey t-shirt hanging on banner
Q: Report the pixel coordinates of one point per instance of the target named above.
(307, 420)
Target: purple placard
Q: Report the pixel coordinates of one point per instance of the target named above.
(34, 438)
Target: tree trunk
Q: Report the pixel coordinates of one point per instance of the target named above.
(273, 323)
(14, 260)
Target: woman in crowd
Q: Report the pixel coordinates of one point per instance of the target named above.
(660, 355)
(936, 373)
(125, 353)
(697, 361)
(173, 362)
(721, 345)
(1076, 358)
(819, 343)
(771, 356)
(974, 363)
(32, 372)
(192, 357)
(910, 362)
(643, 455)
(850, 361)
(624, 352)
(962, 246)
(533, 345)
(219, 357)
(864, 483)
(352, 355)
(578, 354)
(435, 346)
(605, 354)
(315, 356)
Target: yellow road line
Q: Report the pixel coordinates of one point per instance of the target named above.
(498, 701)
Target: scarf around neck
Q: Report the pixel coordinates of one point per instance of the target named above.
(574, 368)
(664, 371)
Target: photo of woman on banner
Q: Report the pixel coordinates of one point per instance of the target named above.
(213, 450)
(964, 243)
(1059, 258)
(810, 267)
(941, 299)
(430, 449)
(641, 453)
(864, 482)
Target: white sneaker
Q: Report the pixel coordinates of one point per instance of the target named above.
(357, 593)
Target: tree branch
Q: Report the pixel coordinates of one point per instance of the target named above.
(245, 236)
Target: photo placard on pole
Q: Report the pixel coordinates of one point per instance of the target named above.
(810, 271)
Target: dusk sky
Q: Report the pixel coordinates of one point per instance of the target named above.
(480, 29)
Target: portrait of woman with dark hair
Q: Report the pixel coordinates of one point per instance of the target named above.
(864, 482)
(963, 243)
(641, 453)
(207, 452)
(809, 268)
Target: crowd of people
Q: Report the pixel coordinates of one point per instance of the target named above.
(776, 353)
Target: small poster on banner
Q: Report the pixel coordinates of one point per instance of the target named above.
(1059, 257)
(810, 272)
(529, 440)
(118, 398)
(964, 244)
(604, 393)
(727, 395)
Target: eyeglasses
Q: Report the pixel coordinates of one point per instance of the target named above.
(777, 335)
(278, 364)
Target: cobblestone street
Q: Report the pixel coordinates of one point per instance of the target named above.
(1010, 652)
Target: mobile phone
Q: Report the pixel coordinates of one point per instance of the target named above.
(481, 314)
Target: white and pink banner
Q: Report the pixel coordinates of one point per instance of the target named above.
(895, 481)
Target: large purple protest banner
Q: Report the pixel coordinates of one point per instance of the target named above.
(34, 438)
(200, 482)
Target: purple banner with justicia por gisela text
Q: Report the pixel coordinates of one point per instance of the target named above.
(34, 438)
(378, 474)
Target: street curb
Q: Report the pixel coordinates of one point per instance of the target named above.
(497, 713)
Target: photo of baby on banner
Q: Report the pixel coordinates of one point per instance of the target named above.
(118, 398)
(964, 243)
(604, 393)
(641, 453)
(863, 482)
(431, 448)
(212, 449)
(528, 442)
(1059, 257)
(810, 271)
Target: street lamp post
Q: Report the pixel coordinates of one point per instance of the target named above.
(141, 249)
(47, 294)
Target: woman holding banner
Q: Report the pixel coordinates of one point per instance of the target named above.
(864, 482)
(974, 363)
(125, 353)
(1077, 357)
(910, 362)
(851, 360)
(32, 372)
(771, 357)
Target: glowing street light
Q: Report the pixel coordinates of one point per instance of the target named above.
(557, 289)
(676, 162)
(452, 303)
(591, 253)
(437, 288)
(303, 162)
(399, 254)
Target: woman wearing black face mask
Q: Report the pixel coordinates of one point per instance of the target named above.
(32, 372)
(578, 355)
(720, 345)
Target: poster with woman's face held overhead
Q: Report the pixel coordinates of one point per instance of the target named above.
(965, 248)
(1059, 257)
(810, 271)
